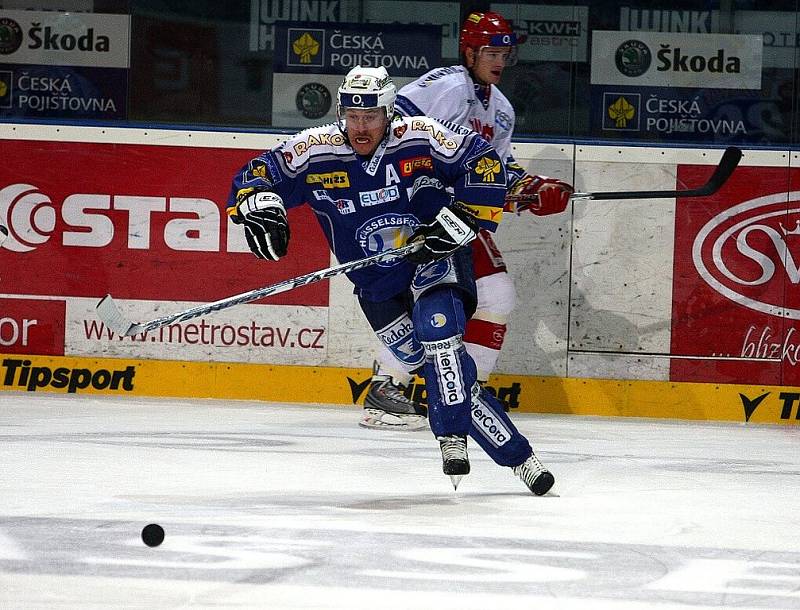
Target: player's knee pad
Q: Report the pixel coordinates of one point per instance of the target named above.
(496, 297)
(439, 314)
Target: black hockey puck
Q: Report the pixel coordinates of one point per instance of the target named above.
(153, 534)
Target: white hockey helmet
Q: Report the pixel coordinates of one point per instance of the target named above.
(366, 88)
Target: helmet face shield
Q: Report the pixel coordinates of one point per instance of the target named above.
(492, 52)
(366, 118)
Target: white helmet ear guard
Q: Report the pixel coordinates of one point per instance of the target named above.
(366, 88)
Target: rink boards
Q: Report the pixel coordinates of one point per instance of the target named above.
(672, 307)
(345, 386)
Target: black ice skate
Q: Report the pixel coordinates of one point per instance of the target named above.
(538, 479)
(386, 406)
(455, 461)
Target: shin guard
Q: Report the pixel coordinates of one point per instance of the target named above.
(494, 431)
(449, 372)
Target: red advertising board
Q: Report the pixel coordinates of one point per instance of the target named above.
(139, 222)
(735, 281)
(32, 326)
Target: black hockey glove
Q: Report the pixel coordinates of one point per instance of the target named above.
(452, 228)
(265, 225)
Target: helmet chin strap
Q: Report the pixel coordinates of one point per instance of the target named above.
(483, 91)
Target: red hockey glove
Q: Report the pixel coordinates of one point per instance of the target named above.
(539, 194)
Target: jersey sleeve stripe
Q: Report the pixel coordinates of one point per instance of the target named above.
(406, 107)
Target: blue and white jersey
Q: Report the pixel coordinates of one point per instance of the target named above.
(369, 205)
(450, 94)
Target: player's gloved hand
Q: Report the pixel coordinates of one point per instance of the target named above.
(452, 228)
(539, 194)
(265, 225)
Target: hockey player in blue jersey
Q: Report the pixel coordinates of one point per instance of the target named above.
(375, 184)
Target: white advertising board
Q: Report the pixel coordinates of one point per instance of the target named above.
(65, 39)
(659, 59)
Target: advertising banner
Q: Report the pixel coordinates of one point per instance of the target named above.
(777, 28)
(32, 326)
(64, 65)
(656, 59)
(684, 115)
(309, 63)
(148, 224)
(285, 334)
(735, 278)
(50, 38)
(63, 92)
(548, 33)
(337, 49)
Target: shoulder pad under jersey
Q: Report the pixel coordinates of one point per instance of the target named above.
(313, 141)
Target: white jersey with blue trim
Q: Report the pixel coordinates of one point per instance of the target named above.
(448, 94)
(368, 205)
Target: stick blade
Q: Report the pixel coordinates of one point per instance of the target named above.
(112, 317)
(727, 164)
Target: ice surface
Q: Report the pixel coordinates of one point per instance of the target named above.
(288, 506)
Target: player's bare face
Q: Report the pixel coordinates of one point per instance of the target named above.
(489, 64)
(365, 128)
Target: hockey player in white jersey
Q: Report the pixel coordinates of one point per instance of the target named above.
(467, 94)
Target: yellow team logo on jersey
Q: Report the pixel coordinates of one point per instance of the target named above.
(487, 169)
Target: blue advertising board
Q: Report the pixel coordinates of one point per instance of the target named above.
(685, 115)
(337, 48)
(29, 91)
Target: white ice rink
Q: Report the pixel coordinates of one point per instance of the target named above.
(287, 506)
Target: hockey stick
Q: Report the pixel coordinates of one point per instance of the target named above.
(727, 164)
(112, 317)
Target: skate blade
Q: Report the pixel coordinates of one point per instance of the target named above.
(455, 479)
(380, 420)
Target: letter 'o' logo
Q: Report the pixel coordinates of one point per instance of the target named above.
(29, 216)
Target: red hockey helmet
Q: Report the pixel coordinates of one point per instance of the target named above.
(487, 30)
